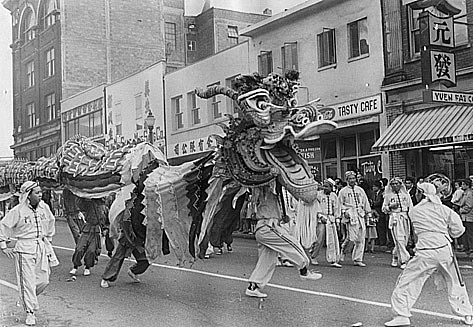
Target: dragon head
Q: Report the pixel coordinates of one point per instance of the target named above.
(258, 146)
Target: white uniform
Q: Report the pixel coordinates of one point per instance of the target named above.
(354, 202)
(327, 228)
(33, 229)
(434, 224)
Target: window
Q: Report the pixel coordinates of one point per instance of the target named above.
(233, 34)
(231, 104)
(192, 108)
(28, 26)
(138, 107)
(461, 30)
(289, 56)
(191, 46)
(30, 74)
(170, 36)
(327, 48)
(214, 105)
(414, 32)
(349, 146)
(358, 38)
(31, 114)
(329, 148)
(49, 13)
(177, 110)
(366, 140)
(265, 63)
(50, 59)
(51, 106)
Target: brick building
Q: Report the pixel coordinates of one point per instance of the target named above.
(59, 51)
(428, 129)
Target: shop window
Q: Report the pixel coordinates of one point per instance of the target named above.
(327, 48)
(349, 146)
(289, 57)
(367, 140)
(358, 38)
(329, 149)
(265, 63)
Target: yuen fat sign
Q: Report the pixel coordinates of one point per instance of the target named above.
(353, 109)
(447, 97)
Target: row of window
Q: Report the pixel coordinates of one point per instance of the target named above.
(50, 109)
(89, 125)
(39, 152)
(48, 19)
(214, 106)
(49, 69)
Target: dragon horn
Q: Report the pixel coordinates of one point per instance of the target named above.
(214, 90)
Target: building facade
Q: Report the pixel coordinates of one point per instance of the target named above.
(58, 51)
(429, 123)
(338, 48)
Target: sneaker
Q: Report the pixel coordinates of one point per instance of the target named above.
(210, 250)
(86, 272)
(287, 263)
(403, 266)
(468, 320)
(359, 263)
(398, 321)
(104, 284)
(311, 276)
(73, 271)
(30, 319)
(394, 262)
(255, 293)
(218, 251)
(133, 276)
(314, 262)
(336, 265)
(229, 248)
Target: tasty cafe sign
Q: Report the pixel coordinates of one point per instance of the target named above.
(353, 109)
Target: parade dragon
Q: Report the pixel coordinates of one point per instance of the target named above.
(181, 203)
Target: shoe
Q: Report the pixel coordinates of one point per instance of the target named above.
(104, 284)
(255, 293)
(342, 257)
(359, 263)
(336, 265)
(133, 276)
(398, 321)
(86, 272)
(218, 251)
(468, 320)
(314, 262)
(210, 250)
(207, 256)
(287, 263)
(311, 276)
(394, 262)
(30, 319)
(229, 248)
(73, 271)
(403, 266)
(110, 254)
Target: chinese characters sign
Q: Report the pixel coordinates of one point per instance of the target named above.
(192, 146)
(442, 67)
(441, 31)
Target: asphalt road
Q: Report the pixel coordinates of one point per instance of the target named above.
(212, 294)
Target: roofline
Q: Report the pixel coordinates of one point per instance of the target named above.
(289, 14)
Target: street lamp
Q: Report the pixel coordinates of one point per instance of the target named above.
(150, 120)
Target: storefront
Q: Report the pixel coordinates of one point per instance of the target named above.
(434, 140)
(349, 146)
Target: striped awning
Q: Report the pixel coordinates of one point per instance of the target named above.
(441, 125)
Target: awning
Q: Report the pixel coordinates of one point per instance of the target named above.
(441, 125)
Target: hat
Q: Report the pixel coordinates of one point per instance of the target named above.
(329, 180)
(350, 173)
(25, 190)
(430, 192)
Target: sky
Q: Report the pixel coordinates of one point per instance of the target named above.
(193, 7)
(6, 111)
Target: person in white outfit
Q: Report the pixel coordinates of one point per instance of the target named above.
(354, 206)
(273, 239)
(434, 225)
(397, 205)
(31, 222)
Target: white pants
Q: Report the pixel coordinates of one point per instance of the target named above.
(400, 230)
(273, 239)
(421, 267)
(356, 234)
(32, 278)
(327, 233)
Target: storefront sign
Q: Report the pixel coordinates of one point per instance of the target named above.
(354, 109)
(441, 31)
(310, 151)
(447, 97)
(188, 147)
(442, 67)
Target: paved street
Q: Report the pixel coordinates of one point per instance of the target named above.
(212, 294)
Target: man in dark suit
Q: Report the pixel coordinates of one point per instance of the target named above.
(411, 188)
